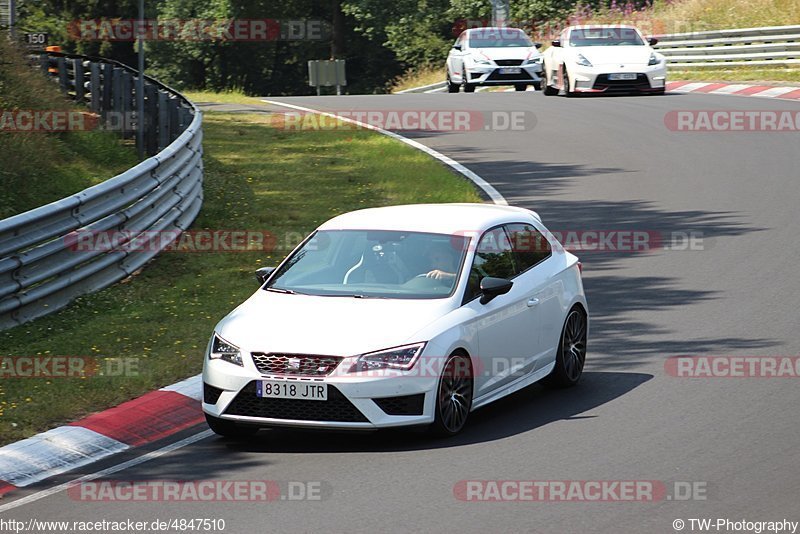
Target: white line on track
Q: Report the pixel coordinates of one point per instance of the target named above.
(487, 188)
(108, 471)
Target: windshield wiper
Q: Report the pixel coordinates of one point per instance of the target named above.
(279, 290)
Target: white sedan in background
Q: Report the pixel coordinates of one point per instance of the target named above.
(493, 56)
(396, 316)
(603, 59)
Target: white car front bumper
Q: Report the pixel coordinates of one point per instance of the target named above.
(596, 79)
(498, 75)
(367, 402)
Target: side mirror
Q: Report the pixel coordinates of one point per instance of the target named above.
(492, 287)
(653, 41)
(457, 47)
(556, 43)
(263, 273)
(537, 45)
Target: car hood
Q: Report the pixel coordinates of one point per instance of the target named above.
(339, 326)
(505, 52)
(617, 55)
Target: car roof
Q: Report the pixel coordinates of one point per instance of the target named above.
(494, 29)
(601, 26)
(450, 219)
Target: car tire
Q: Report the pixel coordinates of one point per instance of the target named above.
(569, 363)
(229, 429)
(453, 396)
(566, 90)
(520, 87)
(452, 87)
(537, 86)
(549, 90)
(468, 87)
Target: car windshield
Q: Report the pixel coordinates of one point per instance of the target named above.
(373, 264)
(605, 37)
(498, 38)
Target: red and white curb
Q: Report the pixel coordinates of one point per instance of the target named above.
(151, 417)
(735, 89)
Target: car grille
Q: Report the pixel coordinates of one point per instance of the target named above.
(211, 394)
(295, 364)
(336, 408)
(508, 62)
(404, 405)
(602, 82)
(496, 76)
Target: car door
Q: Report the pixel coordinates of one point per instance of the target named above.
(455, 59)
(537, 274)
(505, 326)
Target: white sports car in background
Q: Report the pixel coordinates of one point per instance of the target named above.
(493, 56)
(405, 315)
(603, 59)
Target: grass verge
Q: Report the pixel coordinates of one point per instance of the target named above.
(257, 178)
(418, 78)
(773, 75)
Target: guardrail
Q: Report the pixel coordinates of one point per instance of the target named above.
(41, 269)
(773, 45)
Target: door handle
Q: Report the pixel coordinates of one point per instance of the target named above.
(533, 302)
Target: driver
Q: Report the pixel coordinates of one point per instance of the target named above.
(442, 262)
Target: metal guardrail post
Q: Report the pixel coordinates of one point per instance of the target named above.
(163, 120)
(95, 90)
(77, 70)
(106, 90)
(150, 119)
(63, 78)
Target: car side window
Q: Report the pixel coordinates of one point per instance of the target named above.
(529, 244)
(494, 257)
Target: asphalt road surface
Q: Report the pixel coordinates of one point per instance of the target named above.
(601, 163)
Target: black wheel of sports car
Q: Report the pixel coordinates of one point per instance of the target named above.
(229, 429)
(453, 396)
(549, 90)
(468, 87)
(452, 87)
(571, 355)
(537, 86)
(565, 77)
(520, 87)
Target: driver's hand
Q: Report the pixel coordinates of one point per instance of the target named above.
(438, 274)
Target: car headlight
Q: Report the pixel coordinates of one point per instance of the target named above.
(402, 358)
(653, 59)
(533, 60)
(222, 350)
(582, 61)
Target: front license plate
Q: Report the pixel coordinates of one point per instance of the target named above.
(622, 76)
(279, 389)
(511, 70)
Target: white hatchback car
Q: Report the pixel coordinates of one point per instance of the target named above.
(404, 315)
(493, 56)
(603, 59)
